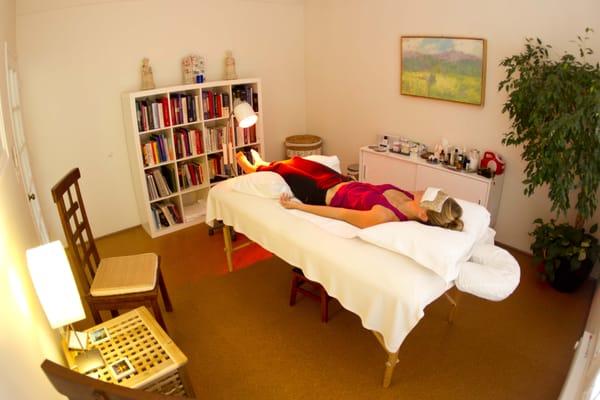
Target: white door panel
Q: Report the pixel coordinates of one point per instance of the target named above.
(20, 153)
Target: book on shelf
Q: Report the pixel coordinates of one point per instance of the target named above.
(156, 150)
(165, 210)
(255, 102)
(197, 107)
(211, 105)
(184, 109)
(218, 105)
(226, 107)
(160, 220)
(161, 183)
(190, 174)
(174, 212)
(152, 189)
(165, 109)
(245, 136)
(190, 109)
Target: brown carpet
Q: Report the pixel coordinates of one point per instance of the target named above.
(243, 341)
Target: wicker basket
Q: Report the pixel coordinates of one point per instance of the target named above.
(303, 145)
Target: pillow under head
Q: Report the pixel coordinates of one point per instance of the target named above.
(438, 249)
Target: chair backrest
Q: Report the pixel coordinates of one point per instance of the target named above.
(77, 386)
(74, 221)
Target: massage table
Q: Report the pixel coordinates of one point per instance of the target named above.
(387, 290)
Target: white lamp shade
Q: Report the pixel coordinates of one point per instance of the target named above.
(245, 115)
(54, 284)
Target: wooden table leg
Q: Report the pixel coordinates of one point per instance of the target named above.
(389, 368)
(454, 302)
(391, 362)
(228, 246)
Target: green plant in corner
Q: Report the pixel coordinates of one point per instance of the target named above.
(554, 106)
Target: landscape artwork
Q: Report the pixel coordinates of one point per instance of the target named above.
(443, 68)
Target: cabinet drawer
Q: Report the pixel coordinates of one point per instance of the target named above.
(458, 185)
(379, 169)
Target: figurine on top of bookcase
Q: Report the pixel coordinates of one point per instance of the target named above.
(230, 66)
(193, 69)
(147, 77)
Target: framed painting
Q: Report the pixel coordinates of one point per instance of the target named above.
(443, 68)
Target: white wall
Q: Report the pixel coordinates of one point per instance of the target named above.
(353, 79)
(76, 57)
(25, 337)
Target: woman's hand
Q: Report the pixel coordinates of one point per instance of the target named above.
(286, 201)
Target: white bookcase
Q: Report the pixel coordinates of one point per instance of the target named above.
(184, 138)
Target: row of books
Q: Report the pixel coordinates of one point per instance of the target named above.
(216, 166)
(159, 183)
(156, 150)
(154, 114)
(190, 174)
(165, 214)
(215, 105)
(213, 138)
(246, 93)
(184, 108)
(188, 142)
(245, 136)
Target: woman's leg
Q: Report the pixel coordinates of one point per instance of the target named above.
(258, 161)
(244, 163)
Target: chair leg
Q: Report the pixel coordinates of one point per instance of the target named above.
(95, 314)
(158, 314)
(163, 291)
(324, 306)
(294, 290)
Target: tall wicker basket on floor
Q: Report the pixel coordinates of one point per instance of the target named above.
(302, 145)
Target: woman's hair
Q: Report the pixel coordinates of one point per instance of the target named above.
(448, 217)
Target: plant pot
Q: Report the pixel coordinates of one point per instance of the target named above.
(568, 281)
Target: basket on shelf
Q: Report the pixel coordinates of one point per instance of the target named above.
(303, 145)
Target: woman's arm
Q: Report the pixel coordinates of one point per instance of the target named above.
(362, 219)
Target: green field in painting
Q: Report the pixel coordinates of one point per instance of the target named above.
(457, 87)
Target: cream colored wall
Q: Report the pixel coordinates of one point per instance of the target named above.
(25, 338)
(353, 79)
(77, 56)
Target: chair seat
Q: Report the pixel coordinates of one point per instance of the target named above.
(123, 275)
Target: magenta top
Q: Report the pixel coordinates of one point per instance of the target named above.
(364, 196)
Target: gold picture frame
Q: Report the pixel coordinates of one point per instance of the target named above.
(443, 68)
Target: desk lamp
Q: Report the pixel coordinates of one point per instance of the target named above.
(56, 289)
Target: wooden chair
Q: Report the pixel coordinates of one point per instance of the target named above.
(113, 283)
(77, 386)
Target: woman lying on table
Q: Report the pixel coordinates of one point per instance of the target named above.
(327, 193)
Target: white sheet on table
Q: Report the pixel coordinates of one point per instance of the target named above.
(388, 291)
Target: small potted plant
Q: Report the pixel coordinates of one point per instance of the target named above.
(554, 106)
(566, 253)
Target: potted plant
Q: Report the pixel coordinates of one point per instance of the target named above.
(554, 106)
(566, 253)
